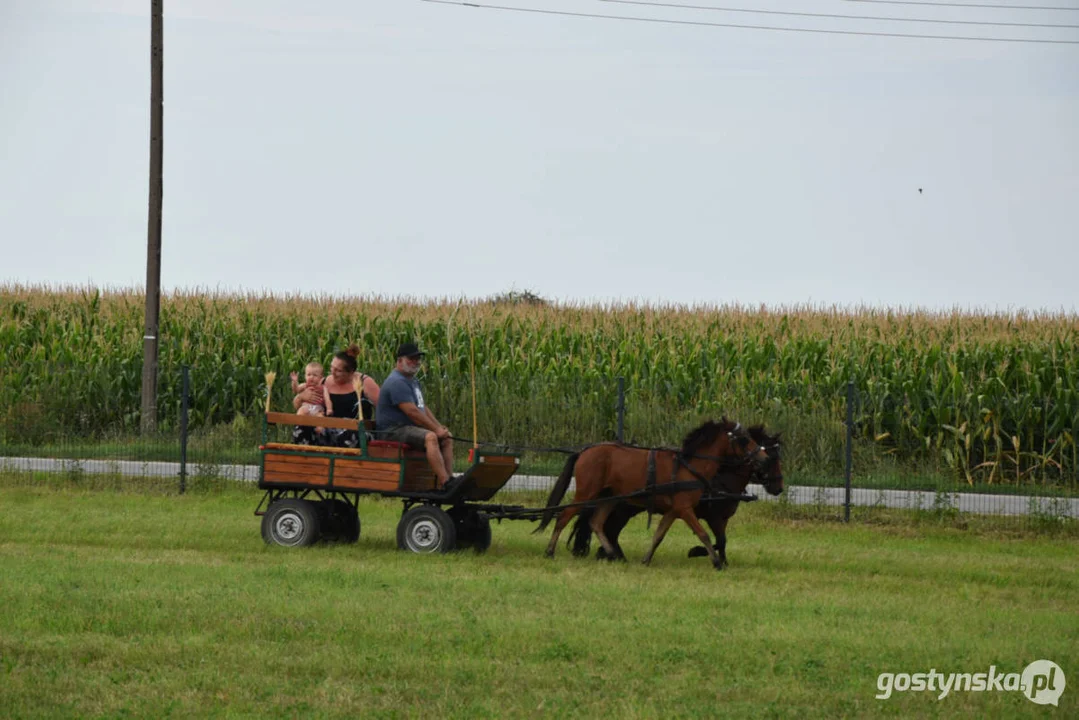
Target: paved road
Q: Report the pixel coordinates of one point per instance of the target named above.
(800, 495)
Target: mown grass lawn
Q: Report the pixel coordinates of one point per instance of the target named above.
(120, 604)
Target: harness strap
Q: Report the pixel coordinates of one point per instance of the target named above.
(651, 470)
(650, 485)
(705, 485)
(709, 491)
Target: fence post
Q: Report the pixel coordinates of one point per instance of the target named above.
(621, 408)
(850, 448)
(184, 394)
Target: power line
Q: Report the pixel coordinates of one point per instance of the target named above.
(837, 16)
(968, 5)
(698, 23)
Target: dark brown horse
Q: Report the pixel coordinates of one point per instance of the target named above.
(716, 513)
(613, 469)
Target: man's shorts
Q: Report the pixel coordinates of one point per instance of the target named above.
(411, 435)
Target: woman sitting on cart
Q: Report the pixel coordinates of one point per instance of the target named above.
(341, 384)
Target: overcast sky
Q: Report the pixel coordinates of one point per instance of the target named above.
(403, 148)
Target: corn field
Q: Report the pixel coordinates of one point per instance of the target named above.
(992, 398)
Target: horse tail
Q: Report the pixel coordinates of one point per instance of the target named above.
(580, 535)
(558, 491)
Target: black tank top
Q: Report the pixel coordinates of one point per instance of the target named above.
(344, 405)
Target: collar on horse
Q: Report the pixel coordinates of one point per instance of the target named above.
(682, 460)
(705, 483)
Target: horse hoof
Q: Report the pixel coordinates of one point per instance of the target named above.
(698, 551)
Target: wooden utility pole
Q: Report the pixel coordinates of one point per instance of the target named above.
(153, 230)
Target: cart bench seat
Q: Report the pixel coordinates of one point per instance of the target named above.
(387, 444)
(310, 448)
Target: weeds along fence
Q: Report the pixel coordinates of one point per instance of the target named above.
(843, 452)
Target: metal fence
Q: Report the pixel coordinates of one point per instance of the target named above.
(836, 466)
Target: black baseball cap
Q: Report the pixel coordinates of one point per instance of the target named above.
(409, 350)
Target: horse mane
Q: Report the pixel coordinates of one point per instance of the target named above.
(761, 437)
(705, 435)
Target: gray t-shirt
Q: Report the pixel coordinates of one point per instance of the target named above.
(397, 389)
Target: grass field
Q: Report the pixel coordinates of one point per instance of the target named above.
(120, 604)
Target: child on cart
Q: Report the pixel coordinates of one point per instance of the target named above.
(314, 379)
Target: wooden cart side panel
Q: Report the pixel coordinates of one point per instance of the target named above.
(291, 469)
(366, 474)
(297, 462)
(348, 473)
(384, 453)
(410, 473)
(419, 477)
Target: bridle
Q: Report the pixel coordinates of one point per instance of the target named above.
(717, 478)
(724, 462)
(772, 460)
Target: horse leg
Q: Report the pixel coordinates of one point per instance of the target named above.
(705, 511)
(661, 530)
(598, 519)
(718, 527)
(612, 528)
(580, 536)
(563, 520)
(687, 514)
(620, 517)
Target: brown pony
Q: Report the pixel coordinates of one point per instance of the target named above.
(716, 512)
(613, 469)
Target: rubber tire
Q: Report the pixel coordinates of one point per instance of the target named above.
(481, 536)
(291, 523)
(339, 521)
(426, 529)
(472, 532)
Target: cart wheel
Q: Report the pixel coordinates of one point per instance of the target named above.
(291, 522)
(426, 529)
(481, 535)
(472, 530)
(339, 521)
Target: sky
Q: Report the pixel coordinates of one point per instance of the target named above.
(407, 149)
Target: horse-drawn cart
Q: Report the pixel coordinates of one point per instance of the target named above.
(312, 492)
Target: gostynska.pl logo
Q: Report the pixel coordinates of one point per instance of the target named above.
(1041, 682)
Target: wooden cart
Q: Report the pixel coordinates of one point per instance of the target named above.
(312, 492)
